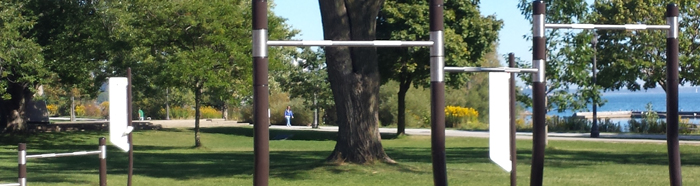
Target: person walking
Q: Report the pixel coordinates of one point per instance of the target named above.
(288, 114)
(140, 114)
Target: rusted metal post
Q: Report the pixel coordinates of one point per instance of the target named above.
(437, 93)
(674, 156)
(513, 152)
(130, 172)
(538, 93)
(260, 95)
(103, 162)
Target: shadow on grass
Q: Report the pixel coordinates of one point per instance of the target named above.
(305, 135)
(160, 162)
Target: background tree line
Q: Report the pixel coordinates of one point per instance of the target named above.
(632, 60)
(197, 53)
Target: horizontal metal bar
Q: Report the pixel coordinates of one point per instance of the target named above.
(609, 27)
(496, 69)
(375, 43)
(53, 155)
(10, 184)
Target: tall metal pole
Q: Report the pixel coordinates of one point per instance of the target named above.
(130, 172)
(594, 129)
(538, 93)
(103, 161)
(513, 150)
(260, 94)
(674, 156)
(437, 93)
(22, 164)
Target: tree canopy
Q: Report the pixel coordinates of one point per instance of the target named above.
(468, 38)
(632, 60)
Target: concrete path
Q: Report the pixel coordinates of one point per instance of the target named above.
(606, 137)
(190, 123)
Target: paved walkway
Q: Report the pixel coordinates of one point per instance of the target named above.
(608, 137)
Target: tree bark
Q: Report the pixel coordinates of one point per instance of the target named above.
(167, 103)
(197, 103)
(404, 85)
(13, 111)
(354, 77)
(72, 108)
(224, 112)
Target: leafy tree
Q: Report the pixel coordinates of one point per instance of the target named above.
(22, 65)
(563, 74)
(354, 78)
(641, 65)
(307, 78)
(44, 39)
(202, 46)
(468, 37)
(644, 56)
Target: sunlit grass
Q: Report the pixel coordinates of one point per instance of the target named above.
(167, 157)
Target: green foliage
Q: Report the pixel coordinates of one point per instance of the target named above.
(418, 112)
(21, 60)
(468, 37)
(606, 125)
(567, 124)
(640, 65)
(278, 103)
(306, 77)
(650, 122)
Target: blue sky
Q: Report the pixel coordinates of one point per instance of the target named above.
(305, 15)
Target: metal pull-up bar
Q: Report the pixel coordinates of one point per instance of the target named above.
(609, 27)
(375, 43)
(539, 86)
(496, 69)
(261, 90)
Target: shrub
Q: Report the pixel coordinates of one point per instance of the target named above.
(456, 116)
(80, 110)
(568, 124)
(53, 109)
(650, 122)
(606, 125)
(209, 112)
(92, 110)
(181, 113)
(105, 109)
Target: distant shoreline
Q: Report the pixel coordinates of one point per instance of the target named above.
(626, 114)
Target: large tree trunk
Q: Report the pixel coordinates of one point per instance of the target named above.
(13, 111)
(354, 77)
(404, 85)
(197, 103)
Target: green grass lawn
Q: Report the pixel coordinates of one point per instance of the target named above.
(166, 157)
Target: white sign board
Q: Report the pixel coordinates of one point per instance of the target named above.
(118, 108)
(499, 119)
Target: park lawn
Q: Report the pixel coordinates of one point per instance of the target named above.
(166, 157)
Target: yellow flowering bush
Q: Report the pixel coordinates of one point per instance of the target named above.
(104, 106)
(80, 110)
(209, 112)
(53, 109)
(456, 116)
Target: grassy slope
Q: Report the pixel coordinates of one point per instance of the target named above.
(166, 158)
